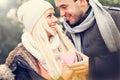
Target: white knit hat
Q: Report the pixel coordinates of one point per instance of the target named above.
(31, 11)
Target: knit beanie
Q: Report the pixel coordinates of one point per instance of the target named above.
(30, 12)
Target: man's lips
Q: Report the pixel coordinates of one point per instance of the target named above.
(68, 17)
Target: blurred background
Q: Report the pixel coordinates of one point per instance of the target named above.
(11, 29)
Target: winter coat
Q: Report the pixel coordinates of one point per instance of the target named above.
(23, 65)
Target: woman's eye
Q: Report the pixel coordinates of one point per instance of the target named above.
(49, 15)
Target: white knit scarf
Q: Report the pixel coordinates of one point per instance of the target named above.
(30, 45)
(106, 25)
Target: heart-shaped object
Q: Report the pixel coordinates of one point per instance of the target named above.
(69, 57)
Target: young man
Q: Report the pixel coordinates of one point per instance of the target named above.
(94, 30)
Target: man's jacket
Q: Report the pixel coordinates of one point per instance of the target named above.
(103, 63)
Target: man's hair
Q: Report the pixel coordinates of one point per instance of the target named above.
(76, 0)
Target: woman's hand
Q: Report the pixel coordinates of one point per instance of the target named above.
(81, 67)
(76, 68)
(67, 73)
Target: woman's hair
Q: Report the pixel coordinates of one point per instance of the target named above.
(39, 33)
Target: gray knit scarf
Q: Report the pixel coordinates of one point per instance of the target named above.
(106, 25)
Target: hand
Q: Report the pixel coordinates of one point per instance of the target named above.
(81, 67)
(68, 57)
(67, 73)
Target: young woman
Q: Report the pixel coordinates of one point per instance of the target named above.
(44, 52)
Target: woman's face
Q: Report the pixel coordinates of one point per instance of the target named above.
(51, 19)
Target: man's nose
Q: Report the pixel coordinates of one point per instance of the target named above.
(62, 13)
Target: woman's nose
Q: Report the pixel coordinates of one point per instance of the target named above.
(55, 19)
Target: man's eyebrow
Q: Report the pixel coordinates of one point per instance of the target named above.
(63, 5)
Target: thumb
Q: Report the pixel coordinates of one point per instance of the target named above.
(81, 54)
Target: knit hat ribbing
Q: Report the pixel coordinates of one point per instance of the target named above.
(31, 11)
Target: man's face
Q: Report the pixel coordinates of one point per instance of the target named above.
(70, 9)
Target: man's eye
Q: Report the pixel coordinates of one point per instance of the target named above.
(64, 7)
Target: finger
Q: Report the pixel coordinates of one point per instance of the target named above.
(82, 72)
(67, 73)
(81, 54)
(78, 64)
(79, 68)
